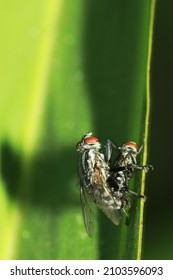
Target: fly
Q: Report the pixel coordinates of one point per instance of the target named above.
(122, 169)
(93, 174)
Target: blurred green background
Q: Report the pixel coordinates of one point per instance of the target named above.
(158, 232)
(69, 67)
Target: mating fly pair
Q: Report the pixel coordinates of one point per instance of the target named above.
(103, 181)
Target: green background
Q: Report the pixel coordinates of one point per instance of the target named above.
(158, 241)
(69, 67)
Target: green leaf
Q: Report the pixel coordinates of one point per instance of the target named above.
(69, 67)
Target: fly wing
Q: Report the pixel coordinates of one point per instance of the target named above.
(87, 209)
(94, 188)
(87, 204)
(106, 202)
(101, 194)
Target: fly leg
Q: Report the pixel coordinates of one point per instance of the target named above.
(108, 150)
(126, 203)
(138, 195)
(146, 168)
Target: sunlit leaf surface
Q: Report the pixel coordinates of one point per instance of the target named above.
(69, 67)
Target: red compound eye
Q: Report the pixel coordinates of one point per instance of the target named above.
(91, 140)
(131, 144)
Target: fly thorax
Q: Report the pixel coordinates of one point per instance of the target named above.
(123, 161)
(91, 159)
